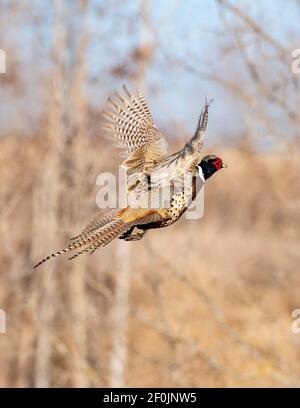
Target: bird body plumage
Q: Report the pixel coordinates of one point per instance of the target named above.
(130, 124)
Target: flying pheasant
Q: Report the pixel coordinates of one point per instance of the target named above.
(130, 124)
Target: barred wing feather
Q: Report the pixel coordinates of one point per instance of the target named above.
(130, 125)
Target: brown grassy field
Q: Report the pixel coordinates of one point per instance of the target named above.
(209, 301)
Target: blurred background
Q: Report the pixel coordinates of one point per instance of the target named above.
(204, 302)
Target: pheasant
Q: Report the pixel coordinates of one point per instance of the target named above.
(130, 124)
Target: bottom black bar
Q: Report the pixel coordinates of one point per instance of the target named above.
(101, 397)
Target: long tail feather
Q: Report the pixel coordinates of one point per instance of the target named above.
(76, 244)
(111, 231)
(104, 228)
(80, 253)
(62, 251)
(98, 221)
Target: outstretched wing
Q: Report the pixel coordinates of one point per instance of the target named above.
(194, 145)
(174, 167)
(130, 124)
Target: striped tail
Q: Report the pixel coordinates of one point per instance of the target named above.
(107, 226)
(101, 219)
(62, 251)
(76, 244)
(101, 230)
(109, 232)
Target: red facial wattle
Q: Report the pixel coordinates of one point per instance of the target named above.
(218, 163)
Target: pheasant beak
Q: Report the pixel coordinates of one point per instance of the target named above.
(224, 166)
